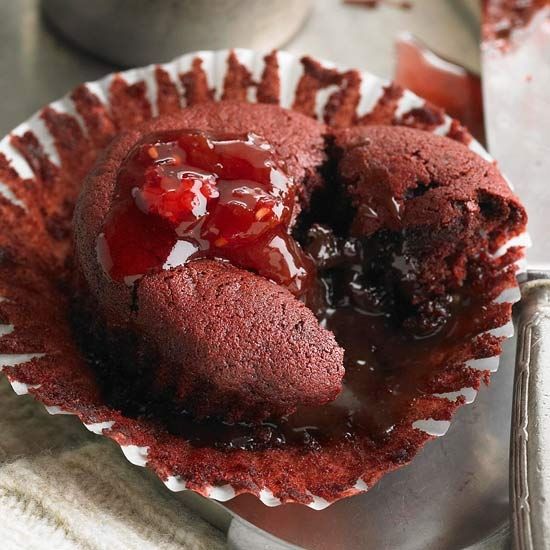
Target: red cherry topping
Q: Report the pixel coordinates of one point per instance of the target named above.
(188, 195)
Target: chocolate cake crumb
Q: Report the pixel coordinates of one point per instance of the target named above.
(33, 152)
(129, 103)
(459, 133)
(384, 110)
(342, 104)
(98, 121)
(427, 117)
(426, 208)
(315, 78)
(237, 79)
(501, 18)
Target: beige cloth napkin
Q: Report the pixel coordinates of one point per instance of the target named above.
(64, 488)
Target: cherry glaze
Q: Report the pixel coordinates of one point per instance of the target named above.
(186, 195)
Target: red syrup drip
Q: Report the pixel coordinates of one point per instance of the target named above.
(187, 195)
(442, 82)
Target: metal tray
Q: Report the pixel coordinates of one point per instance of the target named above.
(455, 493)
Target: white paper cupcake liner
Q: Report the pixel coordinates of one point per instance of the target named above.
(214, 64)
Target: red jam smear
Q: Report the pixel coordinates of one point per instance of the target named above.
(187, 195)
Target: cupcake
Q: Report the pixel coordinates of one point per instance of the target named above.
(244, 297)
(213, 235)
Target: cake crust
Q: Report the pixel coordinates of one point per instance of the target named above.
(230, 337)
(410, 178)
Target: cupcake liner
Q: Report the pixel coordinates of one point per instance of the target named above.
(42, 163)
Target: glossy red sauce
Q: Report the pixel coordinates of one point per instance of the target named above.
(440, 81)
(186, 195)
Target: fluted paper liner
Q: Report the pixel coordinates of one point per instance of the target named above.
(42, 164)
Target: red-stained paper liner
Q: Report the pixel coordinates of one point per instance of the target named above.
(42, 163)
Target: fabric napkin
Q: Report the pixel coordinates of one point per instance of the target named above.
(62, 487)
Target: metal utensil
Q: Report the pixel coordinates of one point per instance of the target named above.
(138, 32)
(516, 85)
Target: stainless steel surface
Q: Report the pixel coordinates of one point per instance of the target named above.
(139, 32)
(36, 67)
(516, 85)
(530, 440)
(455, 493)
(244, 536)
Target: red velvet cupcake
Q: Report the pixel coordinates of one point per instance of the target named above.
(255, 300)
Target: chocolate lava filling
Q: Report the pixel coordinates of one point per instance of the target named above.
(369, 293)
